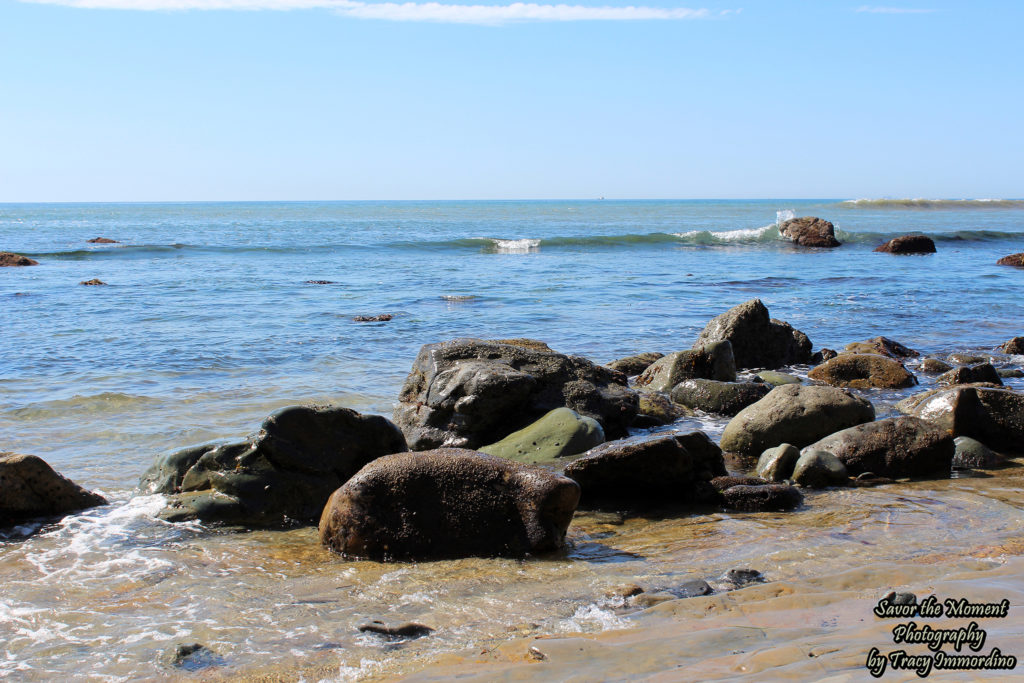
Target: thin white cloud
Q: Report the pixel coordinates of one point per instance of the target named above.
(893, 10)
(516, 12)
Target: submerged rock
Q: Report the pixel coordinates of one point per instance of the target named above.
(810, 231)
(894, 447)
(653, 470)
(990, 414)
(1012, 260)
(470, 392)
(818, 469)
(972, 454)
(757, 340)
(776, 464)
(766, 498)
(908, 244)
(12, 260)
(195, 657)
(795, 414)
(448, 503)
(562, 432)
(30, 488)
(882, 346)
(102, 240)
(285, 473)
(382, 318)
(970, 374)
(721, 398)
(863, 371)
(634, 365)
(710, 361)
(409, 630)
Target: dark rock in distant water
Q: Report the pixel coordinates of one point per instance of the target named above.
(30, 488)
(634, 365)
(1012, 260)
(448, 503)
(320, 282)
(649, 471)
(1015, 346)
(384, 317)
(93, 282)
(713, 360)
(103, 240)
(720, 398)
(10, 259)
(863, 371)
(757, 340)
(285, 473)
(470, 392)
(769, 497)
(408, 630)
(809, 231)
(934, 365)
(882, 346)
(908, 244)
(895, 447)
(795, 414)
(969, 374)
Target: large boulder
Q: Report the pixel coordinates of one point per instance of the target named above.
(1012, 260)
(560, 433)
(795, 414)
(757, 340)
(721, 398)
(652, 470)
(810, 231)
(634, 365)
(10, 259)
(863, 371)
(990, 414)
(283, 474)
(971, 374)
(895, 447)
(883, 346)
(468, 393)
(1015, 346)
(30, 488)
(448, 503)
(711, 361)
(908, 244)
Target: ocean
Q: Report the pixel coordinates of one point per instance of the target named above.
(216, 314)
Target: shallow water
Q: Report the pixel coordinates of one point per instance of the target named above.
(208, 324)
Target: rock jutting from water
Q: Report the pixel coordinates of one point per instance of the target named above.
(908, 244)
(935, 366)
(560, 433)
(882, 346)
(634, 365)
(30, 488)
(709, 361)
(863, 371)
(757, 340)
(1014, 346)
(102, 240)
(448, 503)
(470, 392)
(95, 282)
(1012, 260)
(285, 473)
(795, 414)
(894, 447)
(810, 231)
(655, 408)
(720, 398)
(993, 415)
(764, 498)
(971, 374)
(12, 260)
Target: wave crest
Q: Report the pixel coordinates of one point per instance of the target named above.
(934, 203)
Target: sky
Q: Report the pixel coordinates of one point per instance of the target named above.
(205, 100)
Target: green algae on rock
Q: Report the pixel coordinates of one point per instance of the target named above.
(562, 432)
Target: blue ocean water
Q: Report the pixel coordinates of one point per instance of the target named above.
(208, 321)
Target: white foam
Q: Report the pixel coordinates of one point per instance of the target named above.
(594, 618)
(783, 215)
(740, 235)
(521, 246)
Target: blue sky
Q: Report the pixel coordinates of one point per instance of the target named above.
(142, 100)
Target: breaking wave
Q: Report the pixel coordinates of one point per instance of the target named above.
(934, 203)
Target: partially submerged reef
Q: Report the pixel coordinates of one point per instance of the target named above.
(495, 444)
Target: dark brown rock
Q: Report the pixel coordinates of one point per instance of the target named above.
(908, 244)
(823, 355)
(934, 365)
(9, 259)
(993, 415)
(863, 371)
(895, 447)
(448, 503)
(882, 346)
(809, 231)
(658, 409)
(728, 481)
(969, 374)
(30, 488)
(382, 318)
(469, 393)
(526, 343)
(1012, 260)
(320, 282)
(769, 497)
(103, 240)
(95, 282)
(1014, 346)
(757, 340)
(634, 365)
(408, 630)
